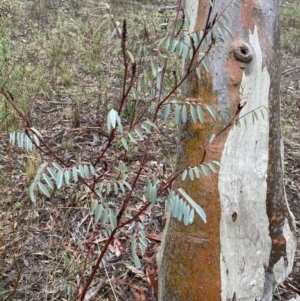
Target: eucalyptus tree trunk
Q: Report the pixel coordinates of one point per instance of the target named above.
(247, 245)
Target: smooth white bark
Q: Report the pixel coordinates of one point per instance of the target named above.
(245, 242)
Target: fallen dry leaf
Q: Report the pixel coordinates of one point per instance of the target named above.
(139, 297)
(137, 272)
(156, 237)
(151, 273)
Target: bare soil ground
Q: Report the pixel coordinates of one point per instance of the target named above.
(65, 85)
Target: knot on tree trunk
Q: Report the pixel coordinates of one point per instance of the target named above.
(242, 51)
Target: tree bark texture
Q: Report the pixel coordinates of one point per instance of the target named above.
(247, 245)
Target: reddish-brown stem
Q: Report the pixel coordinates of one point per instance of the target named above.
(108, 241)
(9, 97)
(125, 203)
(176, 19)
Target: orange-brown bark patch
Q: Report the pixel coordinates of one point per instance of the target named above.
(234, 70)
(247, 14)
(196, 248)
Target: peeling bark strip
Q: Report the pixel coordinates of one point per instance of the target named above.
(247, 246)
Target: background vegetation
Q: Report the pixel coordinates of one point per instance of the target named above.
(59, 61)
